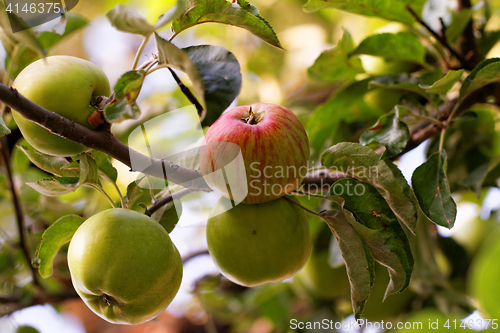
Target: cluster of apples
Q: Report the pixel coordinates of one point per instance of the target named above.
(254, 234)
(122, 263)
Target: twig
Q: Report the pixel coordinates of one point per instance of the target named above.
(187, 92)
(101, 190)
(467, 43)
(18, 209)
(20, 303)
(443, 27)
(441, 139)
(102, 140)
(324, 178)
(166, 199)
(442, 39)
(304, 208)
(139, 51)
(193, 255)
(428, 130)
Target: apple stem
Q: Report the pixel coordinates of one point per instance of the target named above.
(105, 299)
(252, 119)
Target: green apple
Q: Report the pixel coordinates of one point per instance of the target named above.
(484, 276)
(383, 99)
(124, 266)
(256, 244)
(375, 65)
(64, 85)
(317, 276)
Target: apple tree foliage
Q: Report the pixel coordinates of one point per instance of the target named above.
(444, 90)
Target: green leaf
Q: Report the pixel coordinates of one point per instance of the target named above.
(336, 64)
(402, 81)
(400, 46)
(345, 106)
(172, 56)
(335, 259)
(364, 164)
(20, 162)
(475, 179)
(241, 14)
(55, 186)
(358, 259)
(487, 41)
(121, 110)
(124, 105)
(443, 85)
(389, 10)
(89, 172)
(171, 14)
(401, 180)
(26, 56)
(135, 194)
(221, 76)
(105, 166)
(4, 130)
(52, 164)
(432, 190)
(58, 234)
(129, 85)
(488, 71)
(24, 37)
(478, 177)
(168, 216)
(458, 25)
(374, 220)
(393, 134)
(127, 20)
(74, 22)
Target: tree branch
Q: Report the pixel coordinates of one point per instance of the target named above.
(5, 154)
(442, 39)
(467, 43)
(321, 180)
(187, 92)
(20, 302)
(106, 142)
(103, 141)
(427, 130)
(166, 199)
(194, 255)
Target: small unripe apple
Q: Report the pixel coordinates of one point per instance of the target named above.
(274, 153)
(124, 266)
(383, 99)
(64, 85)
(256, 244)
